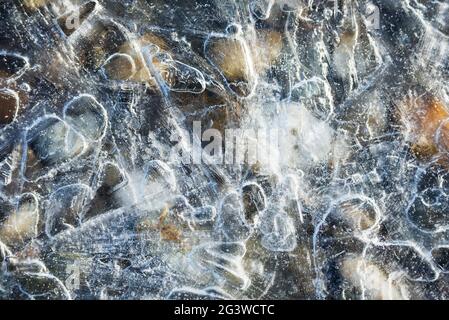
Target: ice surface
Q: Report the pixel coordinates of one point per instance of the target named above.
(100, 100)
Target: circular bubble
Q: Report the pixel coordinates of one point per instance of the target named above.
(52, 142)
(85, 114)
(9, 106)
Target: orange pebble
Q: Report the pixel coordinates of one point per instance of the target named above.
(426, 121)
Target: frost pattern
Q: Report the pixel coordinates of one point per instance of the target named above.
(93, 205)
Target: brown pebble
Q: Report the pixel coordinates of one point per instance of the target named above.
(21, 224)
(267, 50)
(9, 106)
(119, 67)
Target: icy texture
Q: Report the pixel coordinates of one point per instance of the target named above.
(354, 206)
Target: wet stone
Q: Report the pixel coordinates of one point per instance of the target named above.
(335, 185)
(119, 67)
(9, 106)
(85, 114)
(51, 142)
(11, 64)
(71, 21)
(441, 257)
